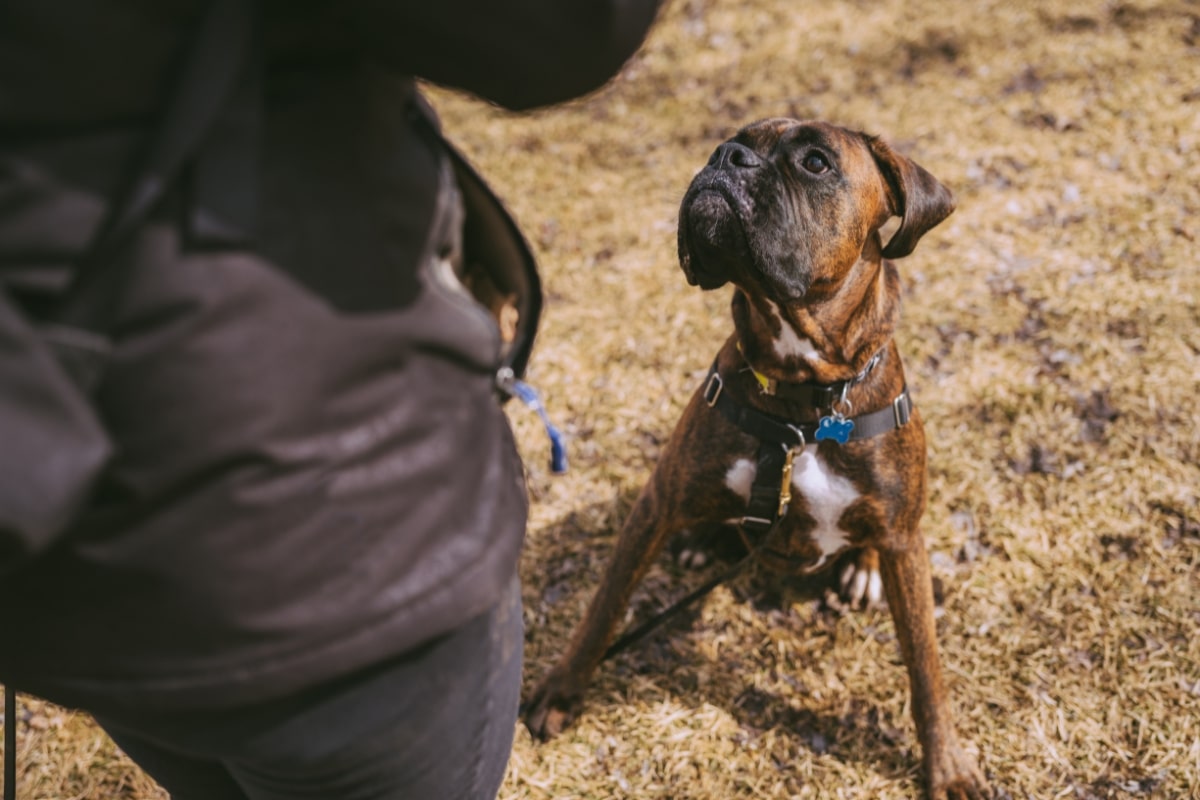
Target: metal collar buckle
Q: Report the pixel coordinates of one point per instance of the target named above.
(902, 409)
(712, 389)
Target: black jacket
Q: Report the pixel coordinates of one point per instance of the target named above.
(311, 472)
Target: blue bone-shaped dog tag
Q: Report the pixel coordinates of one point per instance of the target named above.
(836, 428)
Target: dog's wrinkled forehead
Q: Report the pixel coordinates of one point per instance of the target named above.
(765, 135)
(779, 139)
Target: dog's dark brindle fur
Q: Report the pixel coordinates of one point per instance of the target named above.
(790, 212)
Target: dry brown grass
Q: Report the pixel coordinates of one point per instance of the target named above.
(1051, 339)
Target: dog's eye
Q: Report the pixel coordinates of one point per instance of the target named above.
(815, 163)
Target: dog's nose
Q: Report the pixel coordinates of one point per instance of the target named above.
(732, 155)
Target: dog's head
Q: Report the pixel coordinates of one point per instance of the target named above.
(786, 207)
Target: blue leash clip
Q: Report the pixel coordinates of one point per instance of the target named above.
(514, 387)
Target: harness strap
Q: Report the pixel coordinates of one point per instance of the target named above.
(759, 425)
(779, 440)
(767, 505)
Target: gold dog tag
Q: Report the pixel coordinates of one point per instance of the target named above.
(785, 484)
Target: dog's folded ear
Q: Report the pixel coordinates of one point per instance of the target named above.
(918, 198)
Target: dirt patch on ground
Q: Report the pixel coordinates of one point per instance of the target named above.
(1052, 342)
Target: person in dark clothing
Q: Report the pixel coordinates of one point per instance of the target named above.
(295, 576)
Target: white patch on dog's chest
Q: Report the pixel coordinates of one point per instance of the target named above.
(740, 477)
(826, 494)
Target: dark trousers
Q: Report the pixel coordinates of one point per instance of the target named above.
(436, 724)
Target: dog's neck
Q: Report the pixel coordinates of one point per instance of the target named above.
(831, 335)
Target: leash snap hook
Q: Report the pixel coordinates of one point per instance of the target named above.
(785, 485)
(785, 478)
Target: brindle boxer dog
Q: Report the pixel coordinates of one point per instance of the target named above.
(803, 433)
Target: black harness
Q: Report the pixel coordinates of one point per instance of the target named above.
(780, 440)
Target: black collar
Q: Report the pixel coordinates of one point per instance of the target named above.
(811, 393)
(776, 430)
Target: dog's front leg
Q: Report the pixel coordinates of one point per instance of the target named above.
(556, 701)
(950, 771)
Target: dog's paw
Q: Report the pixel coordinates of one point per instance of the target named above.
(700, 546)
(953, 775)
(860, 584)
(690, 557)
(551, 707)
(964, 790)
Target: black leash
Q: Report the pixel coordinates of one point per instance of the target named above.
(641, 631)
